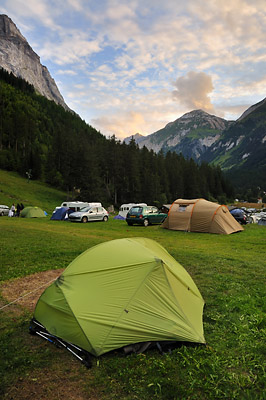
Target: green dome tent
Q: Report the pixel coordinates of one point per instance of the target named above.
(122, 292)
(32, 212)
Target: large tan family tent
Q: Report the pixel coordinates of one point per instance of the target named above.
(200, 215)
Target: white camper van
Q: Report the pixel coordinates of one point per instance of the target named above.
(78, 205)
(124, 209)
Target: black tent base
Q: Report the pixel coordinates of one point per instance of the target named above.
(83, 356)
(38, 329)
(163, 347)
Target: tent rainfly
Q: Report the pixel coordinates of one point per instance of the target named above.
(60, 214)
(200, 215)
(118, 293)
(32, 212)
(262, 221)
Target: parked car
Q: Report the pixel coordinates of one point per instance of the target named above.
(88, 214)
(255, 217)
(4, 210)
(145, 215)
(241, 216)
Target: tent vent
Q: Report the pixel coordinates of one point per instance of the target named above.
(60, 280)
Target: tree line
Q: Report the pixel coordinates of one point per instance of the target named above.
(59, 148)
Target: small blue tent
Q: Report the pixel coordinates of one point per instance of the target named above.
(119, 217)
(60, 214)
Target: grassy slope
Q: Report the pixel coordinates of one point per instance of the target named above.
(228, 270)
(16, 189)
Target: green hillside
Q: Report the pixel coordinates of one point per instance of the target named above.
(62, 150)
(15, 189)
(241, 151)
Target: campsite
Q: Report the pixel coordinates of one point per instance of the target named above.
(229, 271)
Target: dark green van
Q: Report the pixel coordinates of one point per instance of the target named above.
(145, 215)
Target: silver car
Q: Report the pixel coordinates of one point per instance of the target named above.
(4, 210)
(88, 214)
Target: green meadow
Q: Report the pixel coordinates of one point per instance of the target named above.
(228, 270)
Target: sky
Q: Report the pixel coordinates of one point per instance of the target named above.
(132, 66)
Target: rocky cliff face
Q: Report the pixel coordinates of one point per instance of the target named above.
(17, 56)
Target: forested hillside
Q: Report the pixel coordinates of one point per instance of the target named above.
(58, 147)
(241, 150)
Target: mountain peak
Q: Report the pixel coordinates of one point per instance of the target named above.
(137, 137)
(199, 118)
(194, 113)
(9, 29)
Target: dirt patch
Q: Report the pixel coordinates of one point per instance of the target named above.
(61, 381)
(27, 290)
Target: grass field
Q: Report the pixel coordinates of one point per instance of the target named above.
(228, 270)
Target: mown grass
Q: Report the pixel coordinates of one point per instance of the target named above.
(228, 270)
(230, 273)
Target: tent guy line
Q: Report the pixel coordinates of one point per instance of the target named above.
(27, 294)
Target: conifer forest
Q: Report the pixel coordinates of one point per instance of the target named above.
(56, 146)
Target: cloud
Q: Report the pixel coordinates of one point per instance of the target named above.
(114, 58)
(232, 112)
(66, 72)
(192, 91)
(131, 122)
(31, 10)
(145, 114)
(116, 10)
(76, 5)
(69, 49)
